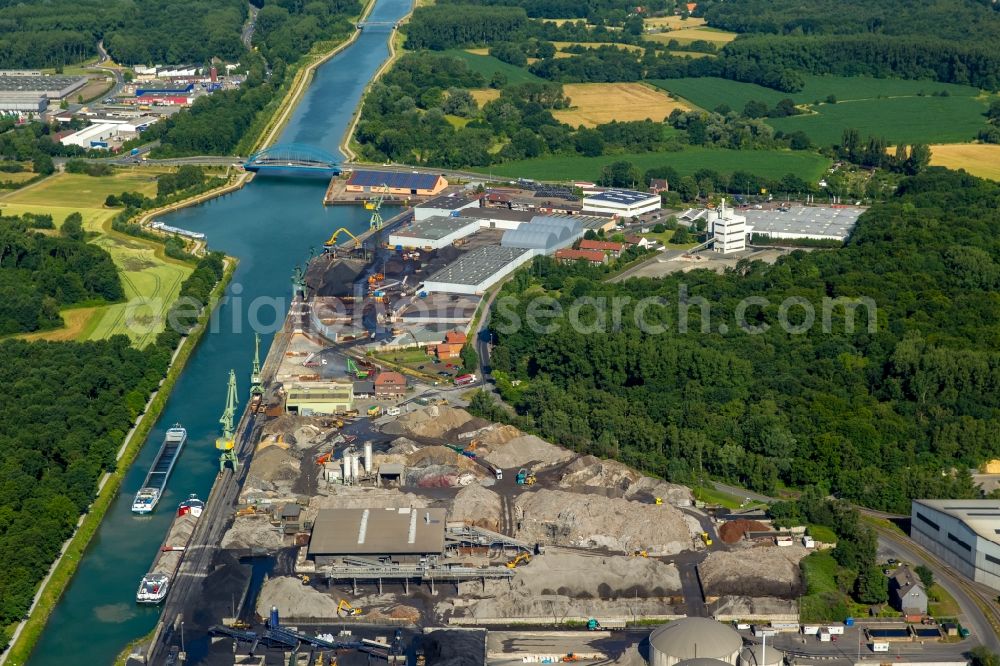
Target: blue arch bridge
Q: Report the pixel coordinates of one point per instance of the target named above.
(293, 158)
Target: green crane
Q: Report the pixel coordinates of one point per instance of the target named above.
(375, 206)
(227, 443)
(353, 368)
(255, 380)
(298, 282)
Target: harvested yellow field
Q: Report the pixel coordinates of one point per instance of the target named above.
(979, 159)
(77, 320)
(599, 103)
(688, 35)
(561, 46)
(483, 95)
(673, 22)
(484, 52)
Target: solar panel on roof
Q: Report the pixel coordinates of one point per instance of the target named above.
(402, 181)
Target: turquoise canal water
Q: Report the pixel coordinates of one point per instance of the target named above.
(270, 226)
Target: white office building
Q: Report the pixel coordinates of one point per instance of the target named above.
(963, 533)
(729, 230)
(621, 203)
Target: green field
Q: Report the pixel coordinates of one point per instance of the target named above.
(488, 65)
(711, 92)
(766, 163)
(823, 599)
(897, 119)
(822, 533)
(151, 280)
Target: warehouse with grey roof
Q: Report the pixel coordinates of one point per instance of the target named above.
(816, 222)
(405, 535)
(31, 93)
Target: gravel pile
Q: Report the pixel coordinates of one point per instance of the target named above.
(527, 451)
(402, 446)
(514, 605)
(362, 497)
(595, 576)
(762, 571)
(252, 532)
(558, 517)
(477, 506)
(734, 530)
(272, 469)
(294, 600)
(433, 421)
(616, 477)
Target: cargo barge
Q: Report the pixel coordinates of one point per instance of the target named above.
(156, 479)
(155, 584)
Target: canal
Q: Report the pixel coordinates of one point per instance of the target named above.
(270, 225)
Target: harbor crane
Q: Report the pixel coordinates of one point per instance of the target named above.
(298, 283)
(256, 389)
(375, 224)
(226, 444)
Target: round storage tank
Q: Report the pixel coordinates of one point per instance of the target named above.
(694, 638)
(753, 655)
(702, 662)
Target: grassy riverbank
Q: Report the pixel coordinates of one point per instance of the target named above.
(65, 567)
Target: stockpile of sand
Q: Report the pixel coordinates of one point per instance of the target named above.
(495, 435)
(477, 506)
(438, 476)
(734, 530)
(558, 517)
(601, 577)
(763, 571)
(593, 472)
(361, 497)
(433, 421)
(527, 451)
(272, 468)
(294, 600)
(254, 531)
(402, 446)
(512, 605)
(442, 455)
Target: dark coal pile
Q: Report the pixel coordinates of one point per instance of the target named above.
(455, 648)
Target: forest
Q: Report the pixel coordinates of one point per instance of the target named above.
(39, 274)
(898, 404)
(58, 33)
(80, 399)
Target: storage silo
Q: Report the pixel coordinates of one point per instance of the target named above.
(753, 655)
(368, 457)
(694, 638)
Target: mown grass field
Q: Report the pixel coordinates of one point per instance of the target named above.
(151, 280)
(766, 163)
(483, 95)
(896, 119)
(687, 35)
(487, 65)
(17, 177)
(710, 92)
(598, 103)
(673, 22)
(823, 599)
(979, 159)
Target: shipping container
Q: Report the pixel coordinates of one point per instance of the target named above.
(880, 647)
(836, 629)
(824, 636)
(810, 629)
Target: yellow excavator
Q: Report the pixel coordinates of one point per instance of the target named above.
(640, 553)
(345, 608)
(522, 558)
(336, 234)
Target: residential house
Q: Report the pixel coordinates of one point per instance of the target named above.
(907, 593)
(638, 241)
(613, 249)
(658, 185)
(390, 385)
(567, 255)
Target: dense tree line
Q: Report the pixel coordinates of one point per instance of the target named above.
(40, 274)
(58, 33)
(597, 12)
(880, 414)
(79, 399)
(951, 20)
(449, 26)
(288, 29)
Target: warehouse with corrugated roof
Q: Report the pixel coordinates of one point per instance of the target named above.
(399, 183)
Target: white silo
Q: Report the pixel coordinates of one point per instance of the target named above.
(355, 467)
(693, 638)
(346, 460)
(368, 457)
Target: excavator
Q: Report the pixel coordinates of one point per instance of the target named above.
(336, 234)
(522, 558)
(323, 459)
(640, 553)
(345, 608)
